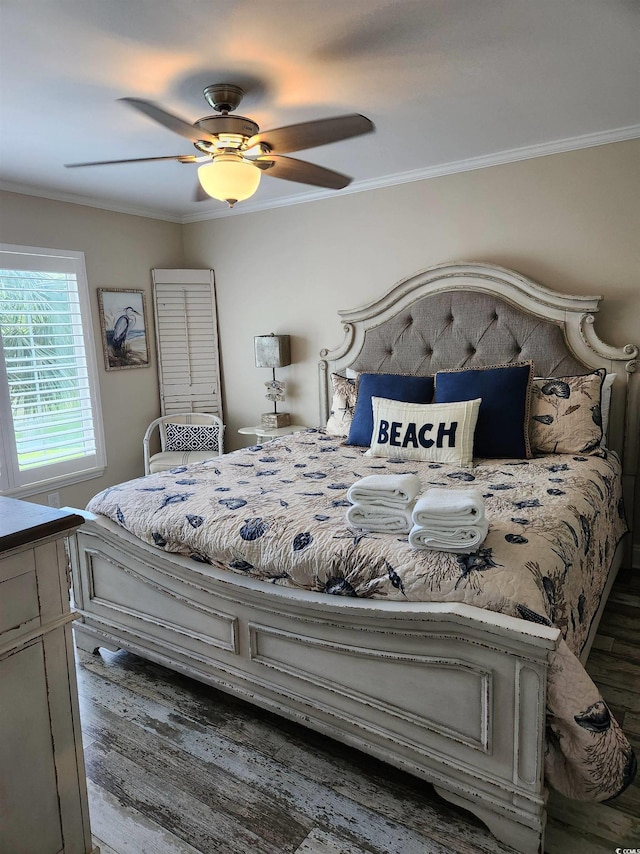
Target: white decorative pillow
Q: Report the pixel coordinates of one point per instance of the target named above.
(565, 414)
(191, 437)
(437, 432)
(342, 405)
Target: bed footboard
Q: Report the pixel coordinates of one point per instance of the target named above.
(450, 693)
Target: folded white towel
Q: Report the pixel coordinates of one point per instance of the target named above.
(449, 507)
(385, 490)
(463, 539)
(384, 520)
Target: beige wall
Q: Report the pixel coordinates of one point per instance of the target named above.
(120, 251)
(570, 221)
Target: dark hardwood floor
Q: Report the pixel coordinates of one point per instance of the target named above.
(177, 767)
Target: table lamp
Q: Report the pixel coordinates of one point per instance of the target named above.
(273, 351)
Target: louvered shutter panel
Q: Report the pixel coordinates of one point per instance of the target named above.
(49, 397)
(187, 341)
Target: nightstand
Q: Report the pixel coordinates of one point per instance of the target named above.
(265, 434)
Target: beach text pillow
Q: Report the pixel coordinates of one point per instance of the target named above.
(434, 432)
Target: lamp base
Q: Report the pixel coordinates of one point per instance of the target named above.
(273, 420)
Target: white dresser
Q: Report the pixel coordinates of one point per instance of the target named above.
(43, 794)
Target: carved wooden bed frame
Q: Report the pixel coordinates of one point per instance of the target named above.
(356, 670)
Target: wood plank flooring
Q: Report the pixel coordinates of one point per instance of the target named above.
(176, 767)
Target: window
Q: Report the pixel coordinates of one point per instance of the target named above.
(49, 398)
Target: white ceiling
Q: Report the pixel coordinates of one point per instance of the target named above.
(449, 85)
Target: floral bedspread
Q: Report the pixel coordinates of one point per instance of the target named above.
(277, 512)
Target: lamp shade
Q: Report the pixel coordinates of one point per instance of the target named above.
(272, 351)
(229, 178)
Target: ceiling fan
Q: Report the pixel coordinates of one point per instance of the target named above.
(234, 153)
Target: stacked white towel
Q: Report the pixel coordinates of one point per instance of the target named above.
(386, 520)
(383, 502)
(450, 520)
(385, 490)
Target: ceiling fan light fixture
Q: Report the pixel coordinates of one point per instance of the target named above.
(225, 140)
(230, 140)
(229, 178)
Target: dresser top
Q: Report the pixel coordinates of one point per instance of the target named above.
(22, 522)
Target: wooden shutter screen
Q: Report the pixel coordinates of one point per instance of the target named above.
(187, 341)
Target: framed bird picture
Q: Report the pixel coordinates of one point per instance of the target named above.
(123, 321)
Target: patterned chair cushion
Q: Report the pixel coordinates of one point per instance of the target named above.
(191, 437)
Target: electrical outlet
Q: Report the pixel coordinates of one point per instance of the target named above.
(54, 499)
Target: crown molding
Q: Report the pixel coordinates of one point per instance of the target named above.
(483, 162)
(454, 167)
(77, 199)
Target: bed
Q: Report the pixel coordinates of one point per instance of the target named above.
(466, 690)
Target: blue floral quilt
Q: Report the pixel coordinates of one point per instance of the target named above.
(277, 512)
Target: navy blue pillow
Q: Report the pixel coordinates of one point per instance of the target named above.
(392, 386)
(502, 429)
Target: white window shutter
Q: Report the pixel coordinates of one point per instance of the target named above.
(50, 414)
(187, 341)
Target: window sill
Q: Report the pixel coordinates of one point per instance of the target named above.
(54, 483)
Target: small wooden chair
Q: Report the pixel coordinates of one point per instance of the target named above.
(186, 437)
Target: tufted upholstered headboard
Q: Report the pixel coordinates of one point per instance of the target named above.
(457, 329)
(472, 314)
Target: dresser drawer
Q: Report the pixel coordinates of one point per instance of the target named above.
(19, 606)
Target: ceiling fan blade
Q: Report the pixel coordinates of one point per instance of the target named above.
(182, 158)
(168, 120)
(301, 171)
(311, 134)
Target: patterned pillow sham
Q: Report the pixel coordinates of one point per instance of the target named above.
(342, 405)
(566, 417)
(435, 432)
(503, 420)
(191, 437)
